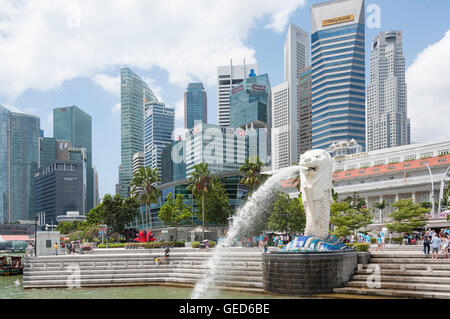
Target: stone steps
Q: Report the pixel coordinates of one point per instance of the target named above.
(392, 293)
(240, 270)
(403, 274)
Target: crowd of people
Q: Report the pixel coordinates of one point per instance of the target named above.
(436, 241)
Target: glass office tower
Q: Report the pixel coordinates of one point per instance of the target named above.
(75, 126)
(195, 105)
(134, 92)
(159, 124)
(338, 72)
(19, 158)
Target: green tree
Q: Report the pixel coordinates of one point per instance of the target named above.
(174, 212)
(381, 206)
(199, 187)
(217, 206)
(143, 185)
(346, 218)
(407, 216)
(252, 173)
(288, 215)
(118, 212)
(95, 216)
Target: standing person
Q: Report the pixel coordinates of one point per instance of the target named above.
(445, 245)
(390, 238)
(55, 247)
(379, 242)
(352, 238)
(426, 246)
(435, 245)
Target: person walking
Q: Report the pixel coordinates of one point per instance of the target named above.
(435, 245)
(426, 246)
(379, 242)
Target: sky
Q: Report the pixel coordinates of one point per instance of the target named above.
(57, 53)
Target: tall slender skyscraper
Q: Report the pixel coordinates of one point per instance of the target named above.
(75, 126)
(387, 121)
(304, 139)
(195, 105)
(228, 77)
(19, 158)
(159, 124)
(296, 58)
(338, 72)
(134, 93)
(280, 126)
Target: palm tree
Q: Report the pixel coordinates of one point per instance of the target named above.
(252, 173)
(199, 186)
(381, 205)
(143, 185)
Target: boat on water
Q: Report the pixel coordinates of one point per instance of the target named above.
(11, 265)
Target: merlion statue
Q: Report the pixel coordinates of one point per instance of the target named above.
(316, 182)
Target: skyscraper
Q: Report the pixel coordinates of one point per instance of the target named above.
(387, 121)
(280, 126)
(250, 109)
(195, 105)
(338, 72)
(96, 192)
(228, 77)
(304, 139)
(19, 157)
(134, 93)
(158, 128)
(296, 58)
(75, 126)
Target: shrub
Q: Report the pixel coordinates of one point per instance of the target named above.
(359, 246)
(86, 247)
(196, 244)
(111, 245)
(156, 244)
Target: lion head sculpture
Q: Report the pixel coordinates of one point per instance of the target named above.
(316, 170)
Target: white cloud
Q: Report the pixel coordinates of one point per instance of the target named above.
(429, 92)
(45, 42)
(108, 83)
(116, 108)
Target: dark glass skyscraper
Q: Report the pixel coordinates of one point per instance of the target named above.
(75, 126)
(134, 93)
(195, 105)
(19, 157)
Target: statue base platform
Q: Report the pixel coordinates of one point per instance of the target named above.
(308, 273)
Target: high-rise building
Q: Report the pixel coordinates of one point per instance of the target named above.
(250, 109)
(19, 158)
(138, 161)
(222, 148)
(159, 126)
(228, 77)
(304, 117)
(134, 93)
(296, 58)
(59, 188)
(195, 105)
(75, 126)
(280, 126)
(96, 192)
(387, 121)
(338, 72)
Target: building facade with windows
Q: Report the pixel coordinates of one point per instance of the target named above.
(134, 93)
(394, 173)
(338, 72)
(195, 105)
(280, 127)
(73, 125)
(296, 59)
(228, 77)
(19, 158)
(304, 109)
(387, 121)
(159, 124)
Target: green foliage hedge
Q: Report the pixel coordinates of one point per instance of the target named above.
(359, 246)
(196, 244)
(144, 245)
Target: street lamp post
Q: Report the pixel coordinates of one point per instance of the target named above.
(441, 193)
(35, 234)
(432, 189)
